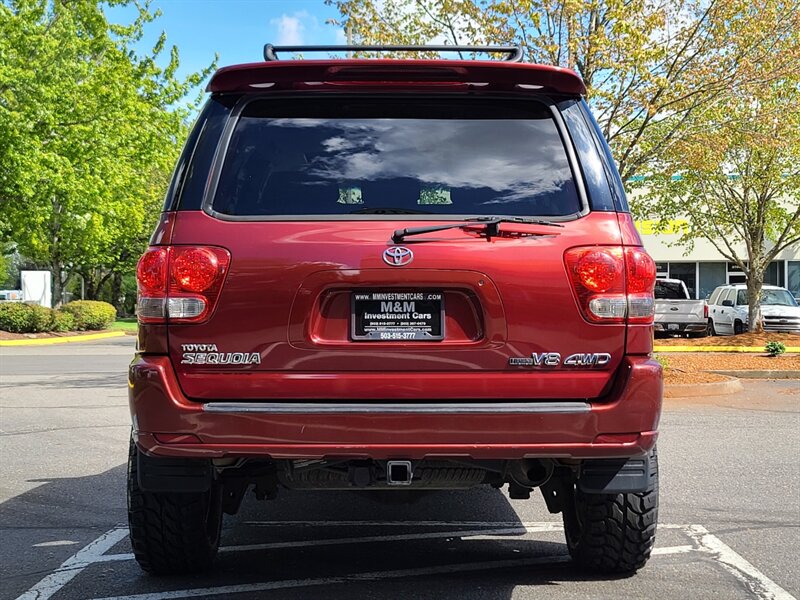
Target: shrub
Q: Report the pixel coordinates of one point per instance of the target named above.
(91, 314)
(42, 319)
(63, 321)
(775, 348)
(15, 317)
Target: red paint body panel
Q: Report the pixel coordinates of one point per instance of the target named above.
(630, 235)
(256, 77)
(286, 297)
(632, 407)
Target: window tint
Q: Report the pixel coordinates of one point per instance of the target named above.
(611, 167)
(715, 296)
(669, 290)
(594, 173)
(712, 275)
(188, 181)
(337, 158)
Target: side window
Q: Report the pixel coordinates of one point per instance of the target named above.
(715, 296)
(594, 173)
(729, 295)
(608, 160)
(741, 298)
(190, 182)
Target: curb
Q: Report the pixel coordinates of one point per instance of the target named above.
(789, 349)
(62, 340)
(762, 374)
(694, 390)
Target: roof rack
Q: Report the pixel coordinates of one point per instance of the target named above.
(514, 52)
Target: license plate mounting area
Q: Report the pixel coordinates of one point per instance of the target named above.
(397, 315)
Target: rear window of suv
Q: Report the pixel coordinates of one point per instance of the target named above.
(669, 290)
(410, 156)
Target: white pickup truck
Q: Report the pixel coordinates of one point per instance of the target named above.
(676, 312)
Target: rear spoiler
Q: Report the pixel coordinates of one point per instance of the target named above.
(513, 53)
(507, 75)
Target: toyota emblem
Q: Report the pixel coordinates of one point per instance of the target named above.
(397, 256)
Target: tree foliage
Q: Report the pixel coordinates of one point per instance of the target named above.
(89, 132)
(738, 181)
(652, 69)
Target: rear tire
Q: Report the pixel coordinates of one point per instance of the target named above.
(172, 533)
(711, 331)
(738, 327)
(612, 533)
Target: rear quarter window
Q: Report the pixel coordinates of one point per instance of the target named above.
(355, 157)
(668, 290)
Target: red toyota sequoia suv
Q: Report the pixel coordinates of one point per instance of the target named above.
(395, 275)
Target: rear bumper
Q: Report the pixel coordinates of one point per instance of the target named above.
(670, 327)
(622, 424)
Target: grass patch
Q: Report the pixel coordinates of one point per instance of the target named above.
(127, 324)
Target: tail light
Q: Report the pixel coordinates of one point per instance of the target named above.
(705, 310)
(612, 284)
(180, 284)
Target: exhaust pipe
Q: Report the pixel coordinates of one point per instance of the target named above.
(531, 473)
(399, 472)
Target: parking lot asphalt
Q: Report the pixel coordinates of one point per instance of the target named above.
(729, 516)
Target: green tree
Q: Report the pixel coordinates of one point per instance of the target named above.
(738, 182)
(652, 69)
(89, 132)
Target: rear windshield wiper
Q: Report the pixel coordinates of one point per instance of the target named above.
(491, 225)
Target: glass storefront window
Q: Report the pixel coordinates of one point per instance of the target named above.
(771, 274)
(712, 275)
(794, 278)
(685, 272)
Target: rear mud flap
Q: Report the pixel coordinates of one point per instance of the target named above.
(174, 474)
(615, 476)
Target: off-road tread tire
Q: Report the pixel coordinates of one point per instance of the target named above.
(172, 533)
(613, 533)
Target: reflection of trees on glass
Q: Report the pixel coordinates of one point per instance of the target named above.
(350, 195)
(435, 195)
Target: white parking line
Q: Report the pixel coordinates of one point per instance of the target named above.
(544, 524)
(478, 534)
(76, 563)
(762, 587)
(517, 530)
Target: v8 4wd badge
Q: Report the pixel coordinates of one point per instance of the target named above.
(553, 359)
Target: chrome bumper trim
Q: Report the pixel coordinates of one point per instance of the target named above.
(399, 408)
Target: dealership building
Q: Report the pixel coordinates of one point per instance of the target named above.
(703, 268)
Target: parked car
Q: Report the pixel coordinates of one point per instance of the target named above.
(10, 295)
(728, 309)
(395, 276)
(676, 312)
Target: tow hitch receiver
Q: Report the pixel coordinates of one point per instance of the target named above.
(399, 472)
